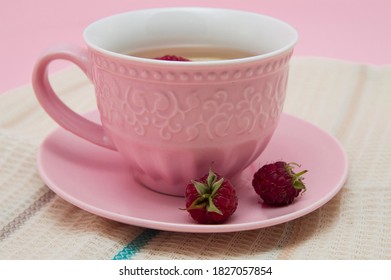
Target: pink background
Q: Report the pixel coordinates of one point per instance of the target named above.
(353, 30)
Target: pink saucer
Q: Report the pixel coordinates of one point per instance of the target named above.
(96, 180)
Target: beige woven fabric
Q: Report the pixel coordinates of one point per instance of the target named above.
(350, 101)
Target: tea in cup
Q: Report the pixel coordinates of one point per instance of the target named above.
(170, 120)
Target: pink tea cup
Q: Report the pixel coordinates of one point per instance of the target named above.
(169, 119)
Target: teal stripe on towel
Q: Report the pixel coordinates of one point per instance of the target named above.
(136, 245)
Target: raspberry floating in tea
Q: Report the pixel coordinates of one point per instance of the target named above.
(169, 57)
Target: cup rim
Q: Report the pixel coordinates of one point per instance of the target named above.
(248, 59)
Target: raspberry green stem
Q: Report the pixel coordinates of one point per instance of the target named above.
(296, 181)
(296, 177)
(301, 173)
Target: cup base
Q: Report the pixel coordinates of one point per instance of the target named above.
(169, 170)
(159, 185)
(162, 186)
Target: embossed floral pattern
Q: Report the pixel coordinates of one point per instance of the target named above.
(242, 106)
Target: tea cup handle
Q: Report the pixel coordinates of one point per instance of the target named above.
(52, 104)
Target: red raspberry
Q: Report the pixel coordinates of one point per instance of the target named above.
(172, 58)
(277, 184)
(211, 200)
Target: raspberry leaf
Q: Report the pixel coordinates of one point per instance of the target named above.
(212, 177)
(200, 187)
(200, 202)
(207, 191)
(211, 207)
(299, 185)
(216, 186)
